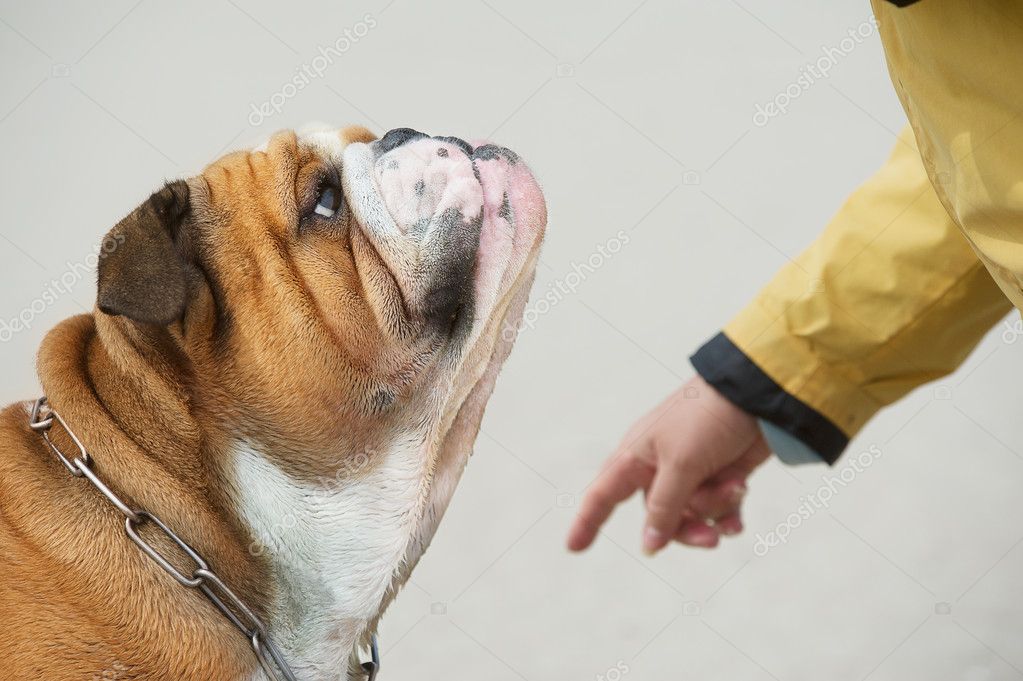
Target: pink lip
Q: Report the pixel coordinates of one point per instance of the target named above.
(514, 216)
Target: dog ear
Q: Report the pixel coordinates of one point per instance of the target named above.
(142, 269)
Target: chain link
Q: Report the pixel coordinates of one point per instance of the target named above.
(202, 577)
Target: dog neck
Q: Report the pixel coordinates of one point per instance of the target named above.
(320, 558)
(335, 546)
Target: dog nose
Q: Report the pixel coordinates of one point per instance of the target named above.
(458, 142)
(397, 137)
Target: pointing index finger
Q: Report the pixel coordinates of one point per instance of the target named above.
(624, 475)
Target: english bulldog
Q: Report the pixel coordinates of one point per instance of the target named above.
(275, 395)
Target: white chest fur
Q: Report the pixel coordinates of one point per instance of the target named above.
(334, 545)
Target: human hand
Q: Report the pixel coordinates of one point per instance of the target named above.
(691, 456)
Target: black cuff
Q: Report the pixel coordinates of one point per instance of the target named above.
(723, 365)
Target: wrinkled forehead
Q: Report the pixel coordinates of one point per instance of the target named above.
(316, 139)
(271, 168)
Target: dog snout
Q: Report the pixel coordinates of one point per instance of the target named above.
(421, 177)
(445, 214)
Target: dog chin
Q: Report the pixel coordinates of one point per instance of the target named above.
(461, 421)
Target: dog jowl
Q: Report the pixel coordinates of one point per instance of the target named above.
(288, 362)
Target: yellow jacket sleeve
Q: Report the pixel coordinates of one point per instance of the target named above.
(889, 297)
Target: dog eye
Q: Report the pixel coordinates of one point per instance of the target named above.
(329, 201)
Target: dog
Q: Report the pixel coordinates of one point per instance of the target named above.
(276, 394)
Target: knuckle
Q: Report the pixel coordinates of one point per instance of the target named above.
(675, 457)
(679, 463)
(659, 510)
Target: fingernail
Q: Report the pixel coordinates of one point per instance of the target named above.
(707, 542)
(653, 540)
(701, 536)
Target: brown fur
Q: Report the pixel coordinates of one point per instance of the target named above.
(255, 326)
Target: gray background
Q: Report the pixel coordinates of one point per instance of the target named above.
(913, 571)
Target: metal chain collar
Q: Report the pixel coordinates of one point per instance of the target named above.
(202, 577)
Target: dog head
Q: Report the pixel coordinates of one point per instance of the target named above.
(328, 288)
